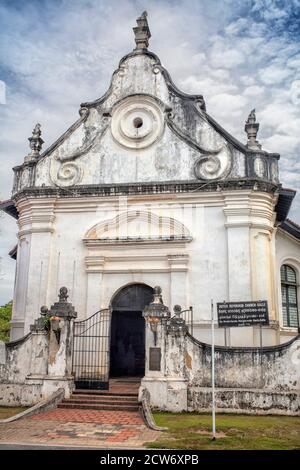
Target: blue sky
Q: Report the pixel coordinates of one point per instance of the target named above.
(55, 54)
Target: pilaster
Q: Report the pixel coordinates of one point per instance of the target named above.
(94, 266)
(36, 226)
(249, 223)
(178, 278)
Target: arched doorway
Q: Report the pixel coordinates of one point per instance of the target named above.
(127, 344)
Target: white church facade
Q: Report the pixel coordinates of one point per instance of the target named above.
(147, 189)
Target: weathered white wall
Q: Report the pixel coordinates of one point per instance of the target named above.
(36, 366)
(247, 380)
(226, 254)
(19, 360)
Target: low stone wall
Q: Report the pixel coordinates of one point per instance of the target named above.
(37, 365)
(270, 368)
(19, 360)
(12, 394)
(244, 401)
(248, 380)
(43, 405)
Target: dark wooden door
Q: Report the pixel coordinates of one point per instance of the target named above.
(127, 345)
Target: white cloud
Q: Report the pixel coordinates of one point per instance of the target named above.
(281, 143)
(294, 62)
(274, 75)
(226, 57)
(206, 86)
(254, 90)
(225, 104)
(247, 80)
(295, 92)
(236, 27)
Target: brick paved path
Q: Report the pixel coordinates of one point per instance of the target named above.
(83, 427)
(80, 427)
(91, 416)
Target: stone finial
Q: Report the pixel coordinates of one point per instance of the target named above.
(63, 294)
(142, 32)
(177, 324)
(63, 308)
(177, 310)
(35, 143)
(251, 128)
(156, 308)
(44, 310)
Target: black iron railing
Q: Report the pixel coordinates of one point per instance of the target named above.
(188, 316)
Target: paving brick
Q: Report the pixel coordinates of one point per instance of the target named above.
(100, 428)
(90, 416)
(84, 427)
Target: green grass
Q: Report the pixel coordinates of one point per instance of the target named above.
(188, 431)
(8, 411)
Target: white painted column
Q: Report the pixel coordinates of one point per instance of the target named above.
(35, 234)
(262, 270)
(37, 285)
(178, 279)
(94, 270)
(237, 212)
(249, 222)
(263, 280)
(263, 261)
(20, 288)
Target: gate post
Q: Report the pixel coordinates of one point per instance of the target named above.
(61, 316)
(166, 385)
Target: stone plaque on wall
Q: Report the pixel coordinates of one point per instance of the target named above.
(154, 358)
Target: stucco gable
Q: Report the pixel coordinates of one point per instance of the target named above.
(145, 129)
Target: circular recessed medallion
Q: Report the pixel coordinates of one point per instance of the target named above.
(137, 122)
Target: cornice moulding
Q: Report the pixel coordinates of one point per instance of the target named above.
(91, 261)
(35, 230)
(135, 241)
(249, 224)
(141, 257)
(170, 187)
(37, 218)
(136, 271)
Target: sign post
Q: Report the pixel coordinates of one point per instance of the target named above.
(213, 372)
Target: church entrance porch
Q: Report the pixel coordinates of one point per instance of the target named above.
(127, 346)
(111, 343)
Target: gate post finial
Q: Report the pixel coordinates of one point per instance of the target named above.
(63, 308)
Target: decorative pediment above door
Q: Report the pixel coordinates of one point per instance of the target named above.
(137, 227)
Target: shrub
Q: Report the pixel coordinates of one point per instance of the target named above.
(5, 317)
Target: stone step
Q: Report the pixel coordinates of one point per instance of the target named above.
(103, 398)
(108, 407)
(96, 403)
(104, 392)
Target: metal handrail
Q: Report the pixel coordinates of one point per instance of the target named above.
(190, 320)
(89, 318)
